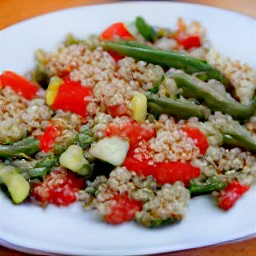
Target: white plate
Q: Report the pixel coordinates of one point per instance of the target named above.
(75, 232)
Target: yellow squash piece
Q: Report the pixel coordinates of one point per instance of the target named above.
(52, 90)
(138, 106)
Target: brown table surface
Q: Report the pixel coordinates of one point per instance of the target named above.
(12, 11)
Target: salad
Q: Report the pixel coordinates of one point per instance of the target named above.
(132, 123)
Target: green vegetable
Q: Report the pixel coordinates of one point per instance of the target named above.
(210, 185)
(181, 109)
(16, 184)
(238, 136)
(41, 76)
(193, 87)
(36, 168)
(145, 29)
(20, 149)
(85, 138)
(166, 59)
(74, 160)
(112, 150)
(72, 40)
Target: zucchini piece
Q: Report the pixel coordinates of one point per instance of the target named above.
(73, 159)
(110, 149)
(16, 184)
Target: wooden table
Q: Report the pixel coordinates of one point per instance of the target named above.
(12, 11)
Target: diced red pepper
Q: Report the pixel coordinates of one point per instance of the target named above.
(198, 136)
(19, 84)
(117, 110)
(47, 140)
(132, 131)
(59, 187)
(116, 31)
(72, 96)
(163, 172)
(230, 194)
(187, 41)
(193, 41)
(123, 209)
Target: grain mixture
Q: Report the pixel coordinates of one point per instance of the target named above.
(121, 123)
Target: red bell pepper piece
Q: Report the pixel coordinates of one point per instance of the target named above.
(116, 30)
(198, 136)
(47, 140)
(163, 172)
(123, 209)
(58, 187)
(187, 41)
(19, 84)
(132, 131)
(117, 110)
(72, 96)
(192, 41)
(230, 194)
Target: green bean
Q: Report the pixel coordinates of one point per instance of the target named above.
(145, 29)
(165, 59)
(36, 168)
(210, 185)
(20, 149)
(238, 137)
(181, 109)
(193, 87)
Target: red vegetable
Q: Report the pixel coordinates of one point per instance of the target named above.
(163, 172)
(132, 131)
(193, 41)
(116, 31)
(47, 140)
(59, 187)
(198, 136)
(117, 110)
(123, 209)
(230, 194)
(19, 84)
(72, 96)
(187, 41)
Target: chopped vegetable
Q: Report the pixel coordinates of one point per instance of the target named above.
(210, 185)
(20, 149)
(194, 87)
(230, 194)
(16, 184)
(47, 140)
(36, 168)
(180, 109)
(116, 31)
(122, 209)
(58, 187)
(198, 136)
(163, 172)
(74, 160)
(138, 106)
(131, 131)
(68, 96)
(145, 29)
(189, 41)
(19, 84)
(110, 149)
